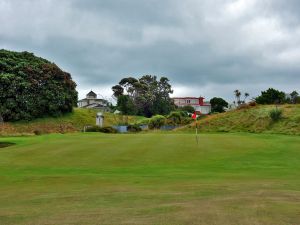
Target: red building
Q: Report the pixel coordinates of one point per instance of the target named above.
(199, 104)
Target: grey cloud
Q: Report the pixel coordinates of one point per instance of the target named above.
(205, 47)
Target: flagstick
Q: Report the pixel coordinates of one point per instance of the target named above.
(197, 134)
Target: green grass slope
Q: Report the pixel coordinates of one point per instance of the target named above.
(150, 179)
(71, 122)
(253, 119)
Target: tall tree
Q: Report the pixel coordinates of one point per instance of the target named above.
(218, 104)
(237, 95)
(148, 95)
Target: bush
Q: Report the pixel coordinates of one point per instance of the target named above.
(157, 121)
(101, 129)
(32, 87)
(186, 120)
(108, 130)
(38, 132)
(271, 96)
(134, 128)
(174, 118)
(144, 121)
(252, 104)
(275, 114)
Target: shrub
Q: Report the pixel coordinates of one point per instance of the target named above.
(271, 96)
(275, 114)
(157, 121)
(144, 121)
(108, 130)
(38, 132)
(252, 104)
(101, 129)
(174, 118)
(134, 128)
(186, 120)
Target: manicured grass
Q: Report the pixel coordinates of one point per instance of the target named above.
(149, 178)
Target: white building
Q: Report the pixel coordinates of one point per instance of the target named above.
(92, 102)
(199, 105)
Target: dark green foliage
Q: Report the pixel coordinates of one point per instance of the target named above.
(125, 105)
(145, 96)
(275, 114)
(174, 118)
(252, 103)
(294, 97)
(218, 104)
(271, 96)
(157, 121)
(32, 87)
(178, 118)
(144, 121)
(38, 132)
(101, 129)
(134, 128)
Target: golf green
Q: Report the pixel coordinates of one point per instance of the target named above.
(153, 178)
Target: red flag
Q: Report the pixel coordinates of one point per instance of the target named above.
(194, 116)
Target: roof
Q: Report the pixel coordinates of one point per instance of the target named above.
(187, 98)
(96, 100)
(91, 93)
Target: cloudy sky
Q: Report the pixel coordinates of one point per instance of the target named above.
(205, 47)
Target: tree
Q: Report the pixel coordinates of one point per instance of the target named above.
(32, 87)
(148, 96)
(218, 104)
(271, 96)
(126, 105)
(294, 96)
(237, 95)
(118, 91)
(246, 96)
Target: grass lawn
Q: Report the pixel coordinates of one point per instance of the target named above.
(230, 179)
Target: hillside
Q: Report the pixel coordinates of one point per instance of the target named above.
(253, 119)
(71, 122)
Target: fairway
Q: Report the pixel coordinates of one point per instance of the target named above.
(153, 178)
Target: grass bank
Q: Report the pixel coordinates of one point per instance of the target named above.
(150, 179)
(71, 122)
(253, 119)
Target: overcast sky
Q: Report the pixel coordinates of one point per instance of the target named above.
(205, 47)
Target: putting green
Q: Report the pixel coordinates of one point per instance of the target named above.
(150, 179)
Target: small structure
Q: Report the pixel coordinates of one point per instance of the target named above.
(92, 102)
(99, 119)
(198, 104)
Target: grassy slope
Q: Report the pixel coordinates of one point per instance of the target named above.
(255, 119)
(150, 179)
(71, 122)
